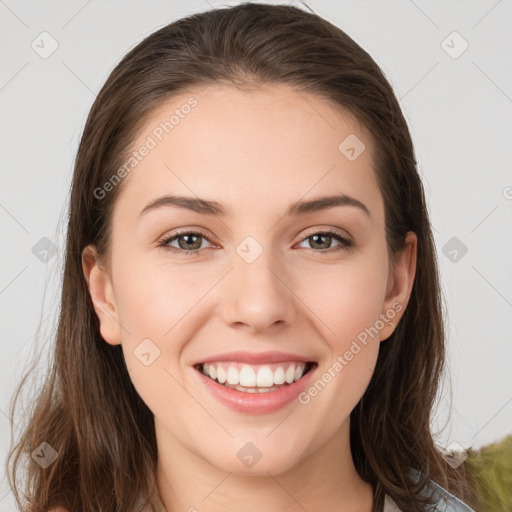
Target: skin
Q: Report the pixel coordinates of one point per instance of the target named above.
(273, 147)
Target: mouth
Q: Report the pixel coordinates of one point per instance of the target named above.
(249, 378)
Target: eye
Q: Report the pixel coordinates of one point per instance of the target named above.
(189, 242)
(318, 239)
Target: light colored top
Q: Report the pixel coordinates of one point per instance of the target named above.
(447, 503)
(390, 505)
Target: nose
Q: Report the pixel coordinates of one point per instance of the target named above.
(258, 295)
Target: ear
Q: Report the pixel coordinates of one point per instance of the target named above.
(102, 295)
(400, 282)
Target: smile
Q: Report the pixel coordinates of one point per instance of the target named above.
(255, 389)
(255, 378)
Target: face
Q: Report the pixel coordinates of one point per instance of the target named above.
(290, 286)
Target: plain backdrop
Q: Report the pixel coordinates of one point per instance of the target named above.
(449, 63)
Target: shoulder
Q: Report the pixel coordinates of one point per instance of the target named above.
(390, 505)
(446, 502)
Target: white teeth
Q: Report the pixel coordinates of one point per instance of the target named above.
(290, 375)
(233, 375)
(247, 377)
(221, 375)
(253, 389)
(279, 376)
(265, 377)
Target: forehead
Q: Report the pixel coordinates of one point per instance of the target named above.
(272, 143)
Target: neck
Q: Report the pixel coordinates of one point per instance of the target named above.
(323, 480)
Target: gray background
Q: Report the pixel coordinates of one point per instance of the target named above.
(459, 109)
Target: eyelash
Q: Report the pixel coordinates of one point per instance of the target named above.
(345, 242)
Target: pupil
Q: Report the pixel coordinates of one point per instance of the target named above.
(187, 244)
(315, 237)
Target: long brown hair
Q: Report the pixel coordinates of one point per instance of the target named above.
(88, 411)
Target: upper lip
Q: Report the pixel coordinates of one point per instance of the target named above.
(255, 357)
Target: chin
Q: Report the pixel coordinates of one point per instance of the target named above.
(250, 461)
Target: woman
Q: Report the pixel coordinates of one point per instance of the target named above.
(251, 314)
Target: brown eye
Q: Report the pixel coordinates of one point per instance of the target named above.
(323, 240)
(189, 242)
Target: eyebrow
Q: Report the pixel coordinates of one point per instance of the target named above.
(207, 207)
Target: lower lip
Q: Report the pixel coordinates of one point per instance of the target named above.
(256, 403)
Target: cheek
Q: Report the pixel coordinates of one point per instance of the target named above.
(152, 304)
(158, 306)
(152, 299)
(347, 304)
(346, 299)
